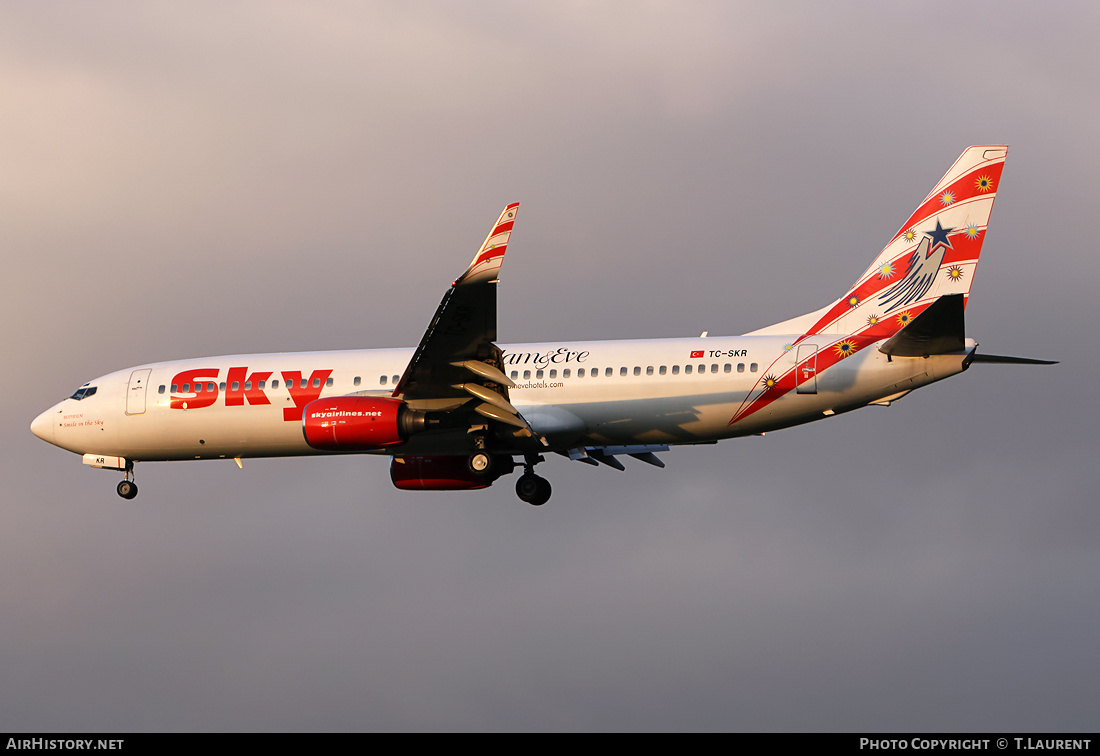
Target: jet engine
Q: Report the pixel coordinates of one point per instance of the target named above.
(358, 423)
(444, 473)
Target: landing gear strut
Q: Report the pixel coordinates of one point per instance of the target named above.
(127, 488)
(531, 488)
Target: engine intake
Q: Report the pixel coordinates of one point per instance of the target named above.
(358, 423)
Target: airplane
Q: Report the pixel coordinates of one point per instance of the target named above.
(456, 412)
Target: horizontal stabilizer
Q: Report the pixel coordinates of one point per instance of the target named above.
(937, 330)
(1010, 360)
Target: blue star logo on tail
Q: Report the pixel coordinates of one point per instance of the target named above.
(939, 236)
(924, 263)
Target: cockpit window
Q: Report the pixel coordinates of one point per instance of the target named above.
(83, 392)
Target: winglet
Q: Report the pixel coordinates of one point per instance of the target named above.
(487, 261)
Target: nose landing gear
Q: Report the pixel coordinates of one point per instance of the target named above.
(531, 488)
(127, 488)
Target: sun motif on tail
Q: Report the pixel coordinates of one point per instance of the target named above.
(846, 348)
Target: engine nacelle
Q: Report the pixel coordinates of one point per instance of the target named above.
(358, 423)
(444, 473)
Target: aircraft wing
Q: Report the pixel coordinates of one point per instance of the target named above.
(457, 359)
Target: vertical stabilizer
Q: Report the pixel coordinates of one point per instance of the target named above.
(934, 253)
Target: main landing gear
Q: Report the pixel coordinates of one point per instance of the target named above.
(127, 488)
(479, 462)
(531, 488)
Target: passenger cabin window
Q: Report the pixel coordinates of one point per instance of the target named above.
(161, 389)
(275, 383)
(728, 367)
(740, 367)
(663, 369)
(580, 372)
(565, 373)
(622, 371)
(675, 369)
(357, 381)
(608, 372)
(538, 374)
(638, 370)
(236, 385)
(514, 375)
(262, 385)
(222, 385)
(714, 368)
(328, 382)
(396, 378)
(316, 383)
(526, 375)
(752, 368)
(553, 373)
(382, 380)
(687, 369)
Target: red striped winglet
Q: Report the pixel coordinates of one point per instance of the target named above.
(490, 255)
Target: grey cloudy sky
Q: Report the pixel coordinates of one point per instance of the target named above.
(186, 179)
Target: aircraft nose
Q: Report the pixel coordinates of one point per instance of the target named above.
(43, 425)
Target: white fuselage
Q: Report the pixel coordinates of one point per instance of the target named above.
(574, 394)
